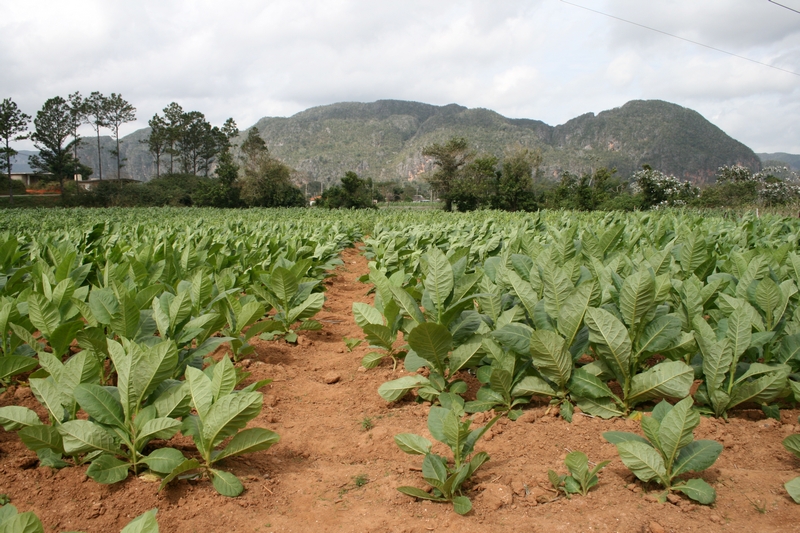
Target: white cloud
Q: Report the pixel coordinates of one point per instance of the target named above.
(542, 59)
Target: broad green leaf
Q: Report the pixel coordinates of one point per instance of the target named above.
(586, 385)
(791, 443)
(676, 429)
(570, 316)
(466, 355)
(229, 414)
(696, 456)
(793, 488)
(284, 285)
(439, 278)
(41, 437)
(763, 389)
(159, 428)
(187, 466)
(144, 523)
(433, 467)
(397, 388)
(462, 505)
(516, 337)
(611, 341)
(200, 392)
(556, 288)
(670, 379)
(533, 385)
(26, 522)
(659, 335)
(578, 465)
(310, 307)
(100, 404)
(739, 331)
(432, 342)
(223, 379)
(698, 490)
(637, 297)
(523, 290)
(14, 417)
(615, 437)
(379, 336)
(366, 314)
(83, 436)
(248, 441)
(551, 357)
(407, 304)
(50, 396)
(107, 470)
(12, 365)
(226, 483)
(164, 460)
(414, 492)
(104, 305)
(602, 407)
(43, 314)
(642, 460)
(372, 359)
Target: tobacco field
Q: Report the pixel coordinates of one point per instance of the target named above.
(284, 370)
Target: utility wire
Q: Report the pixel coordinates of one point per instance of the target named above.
(783, 6)
(684, 38)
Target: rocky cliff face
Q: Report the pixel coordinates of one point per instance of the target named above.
(384, 140)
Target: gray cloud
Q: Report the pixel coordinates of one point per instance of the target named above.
(540, 59)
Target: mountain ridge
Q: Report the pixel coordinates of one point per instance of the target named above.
(384, 139)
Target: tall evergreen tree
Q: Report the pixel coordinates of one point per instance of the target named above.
(13, 125)
(118, 112)
(158, 142)
(95, 115)
(54, 138)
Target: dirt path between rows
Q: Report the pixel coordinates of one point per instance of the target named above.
(337, 467)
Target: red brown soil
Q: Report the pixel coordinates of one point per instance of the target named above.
(307, 482)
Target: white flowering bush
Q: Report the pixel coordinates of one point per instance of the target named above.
(659, 190)
(771, 186)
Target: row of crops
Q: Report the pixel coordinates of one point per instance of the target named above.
(605, 313)
(110, 316)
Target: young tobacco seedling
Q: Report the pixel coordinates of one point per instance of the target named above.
(669, 450)
(221, 413)
(446, 477)
(581, 479)
(792, 443)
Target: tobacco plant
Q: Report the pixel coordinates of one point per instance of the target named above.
(792, 444)
(446, 476)
(221, 412)
(668, 450)
(580, 479)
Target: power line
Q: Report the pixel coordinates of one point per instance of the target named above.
(684, 38)
(783, 6)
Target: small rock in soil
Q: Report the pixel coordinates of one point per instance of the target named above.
(674, 499)
(331, 378)
(22, 393)
(650, 498)
(270, 400)
(518, 487)
(494, 496)
(528, 417)
(655, 527)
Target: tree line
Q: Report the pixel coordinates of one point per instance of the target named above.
(463, 180)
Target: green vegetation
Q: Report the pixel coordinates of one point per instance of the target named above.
(580, 479)
(445, 425)
(668, 451)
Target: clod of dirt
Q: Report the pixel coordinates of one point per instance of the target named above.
(494, 496)
(331, 378)
(655, 527)
(518, 487)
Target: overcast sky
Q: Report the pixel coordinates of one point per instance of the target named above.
(539, 59)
